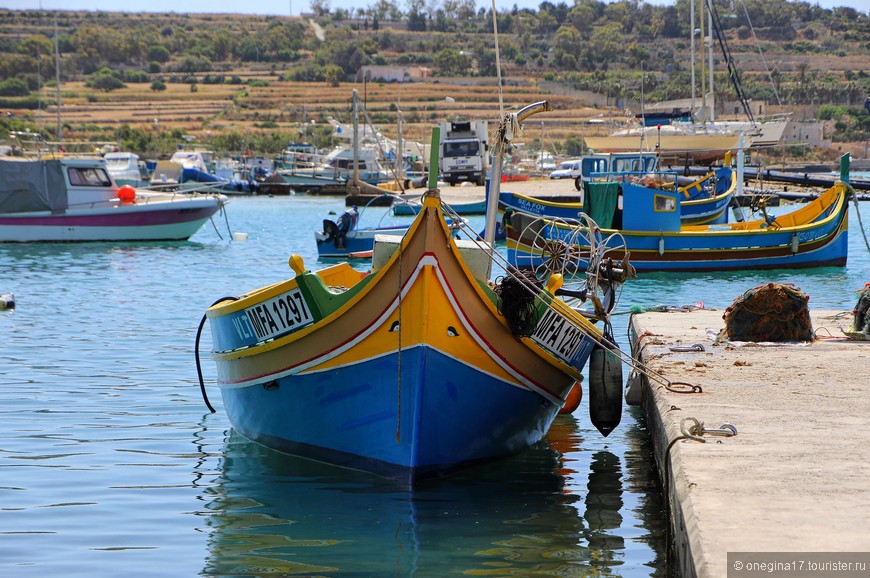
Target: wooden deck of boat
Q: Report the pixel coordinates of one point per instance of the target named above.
(795, 477)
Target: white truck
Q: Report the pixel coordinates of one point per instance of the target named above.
(464, 151)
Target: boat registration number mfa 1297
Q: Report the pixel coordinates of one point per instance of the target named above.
(278, 315)
(560, 336)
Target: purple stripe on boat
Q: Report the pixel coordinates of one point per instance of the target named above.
(168, 216)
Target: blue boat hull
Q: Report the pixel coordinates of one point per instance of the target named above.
(356, 241)
(654, 239)
(435, 416)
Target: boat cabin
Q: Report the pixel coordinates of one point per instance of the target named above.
(55, 185)
(634, 201)
(124, 167)
(617, 163)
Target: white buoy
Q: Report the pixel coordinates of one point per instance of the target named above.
(7, 301)
(240, 236)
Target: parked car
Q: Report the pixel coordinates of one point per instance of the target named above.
(567, 170)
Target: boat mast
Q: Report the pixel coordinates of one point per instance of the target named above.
(692, 43)
(703, 75)
(400, 145)
(355, 137)
(57, 80)
(729, 61)
(709, 41)
(509, 126)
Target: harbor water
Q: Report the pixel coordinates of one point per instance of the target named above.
(110, 463)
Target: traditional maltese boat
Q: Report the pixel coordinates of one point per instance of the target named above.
(645, 225)
(704, 200)
(414, 369)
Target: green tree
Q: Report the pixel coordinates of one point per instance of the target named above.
(14, 87)
(158, 53)
(333, 74)
(158, 85)
(567, 44)
(107, 83)
(106, 80)
(451, 62)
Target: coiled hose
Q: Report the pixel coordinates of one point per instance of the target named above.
(196, 352)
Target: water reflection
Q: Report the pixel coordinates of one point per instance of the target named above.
(544, 511)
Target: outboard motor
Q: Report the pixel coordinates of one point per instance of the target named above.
(605, 387)
(337, 231)
(347, 221)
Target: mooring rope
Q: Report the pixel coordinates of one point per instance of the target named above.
(196, 352)
(858, 213)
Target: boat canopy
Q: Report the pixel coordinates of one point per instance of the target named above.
(29, 186)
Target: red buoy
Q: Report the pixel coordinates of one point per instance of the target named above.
(572, 402)
(127, 194)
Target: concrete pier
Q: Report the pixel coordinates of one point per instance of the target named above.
(796, 476)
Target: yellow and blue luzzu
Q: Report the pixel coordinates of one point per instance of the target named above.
(411, 370)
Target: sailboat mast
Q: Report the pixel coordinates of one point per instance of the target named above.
(692, 44)
(712, 102)
(703, 76)
(400, 146)
(355, 137)
(57, 80)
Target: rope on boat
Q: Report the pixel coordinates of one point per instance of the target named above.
(399, 353)
(858, 213)
(636, 365)
(196, 352)
(223, 211)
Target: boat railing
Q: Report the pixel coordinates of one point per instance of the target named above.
(309, 165)
(661, 180)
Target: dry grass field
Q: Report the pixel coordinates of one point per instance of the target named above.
(283, 106)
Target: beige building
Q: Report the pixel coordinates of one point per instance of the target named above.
(385, 73)
(814, 133)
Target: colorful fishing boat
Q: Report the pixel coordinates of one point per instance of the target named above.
(409, 368)
(646, 225)
(344, 238)
(704, 200)
(414, 369)
(76, 199)
(411, 203)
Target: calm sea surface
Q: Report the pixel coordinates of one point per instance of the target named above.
(110, 464)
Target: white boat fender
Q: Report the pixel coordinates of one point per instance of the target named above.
(7, 301)
(605, 390)
(634, 389)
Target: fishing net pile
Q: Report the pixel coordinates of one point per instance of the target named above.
(771, 312)
(517, 293)
(861, 321)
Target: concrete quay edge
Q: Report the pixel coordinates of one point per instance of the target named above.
(796, 476)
